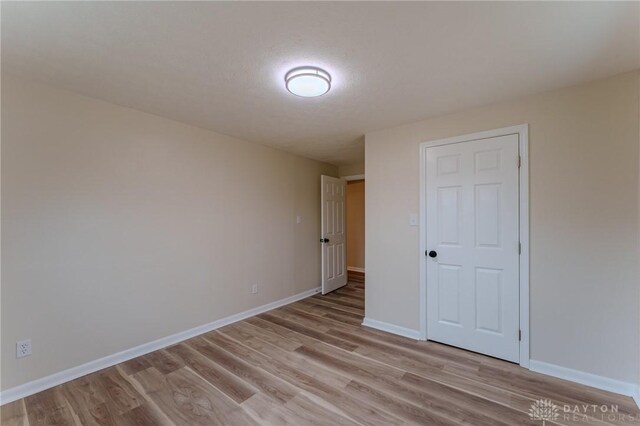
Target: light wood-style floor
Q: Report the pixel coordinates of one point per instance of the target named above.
(309, 363)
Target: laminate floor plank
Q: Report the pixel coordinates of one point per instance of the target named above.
(232, 386)
(14, 414)
(280, 319)
(264, 411)
(315, 411)
(348, 296)
(145, 414)
(326, 319)
(291, 358)
(482, 398)
(88, 399)
(211, 346)
(49, 407)
(248, 330)
(356, 409)
(392, 391)
(313, 363)
(187, 399)
(134, 365)
(330, 304)
(323, 310)
(163, 361)
(407, 411)
(119, 393)
(338, 300)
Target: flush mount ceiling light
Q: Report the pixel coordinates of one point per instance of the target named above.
(308, 82)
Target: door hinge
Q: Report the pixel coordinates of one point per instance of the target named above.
(520, 335)
(519, 248)
(519, 161)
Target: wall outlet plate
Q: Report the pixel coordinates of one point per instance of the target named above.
(23, 348)
(254, 288)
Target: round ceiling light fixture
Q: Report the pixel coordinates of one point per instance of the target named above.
(308, 82)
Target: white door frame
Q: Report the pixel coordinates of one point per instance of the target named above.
(523, 141)
(353, 177)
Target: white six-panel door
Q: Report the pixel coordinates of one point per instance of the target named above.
(334, 253)
(472, 241)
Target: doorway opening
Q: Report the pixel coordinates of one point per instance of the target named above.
(355, 230)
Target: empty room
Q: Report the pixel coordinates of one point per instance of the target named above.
(320, 213)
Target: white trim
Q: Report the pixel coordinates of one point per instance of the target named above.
(523, 144)
(353, 177)
(391, 328)
(588, 379)
(355, 269)
(422, 227)
(523, 141)
(55, 379)
(636, 397)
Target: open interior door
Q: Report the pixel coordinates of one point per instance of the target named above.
(333, 238)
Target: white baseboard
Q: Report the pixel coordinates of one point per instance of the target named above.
(391, 328)
(55, 379)
(595, 381)
(355, 269)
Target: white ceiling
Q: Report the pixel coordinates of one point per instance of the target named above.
(221, 65)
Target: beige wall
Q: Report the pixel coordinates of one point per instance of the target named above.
(351, 170)
(120, 227)
(355, 224)
(583, 212)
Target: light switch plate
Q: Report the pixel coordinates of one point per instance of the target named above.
(413, 219)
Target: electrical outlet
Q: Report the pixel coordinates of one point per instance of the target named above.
(254, 288)
(23, 348)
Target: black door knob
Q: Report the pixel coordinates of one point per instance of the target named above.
(433, 253)
(324, 240)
